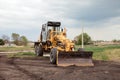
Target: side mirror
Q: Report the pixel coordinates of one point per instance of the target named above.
(62, 29)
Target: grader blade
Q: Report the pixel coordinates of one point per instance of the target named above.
(78, 58)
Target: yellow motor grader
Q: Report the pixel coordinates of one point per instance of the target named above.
(62, 50)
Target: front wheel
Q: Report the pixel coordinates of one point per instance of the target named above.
(53, 55)
(80, 49)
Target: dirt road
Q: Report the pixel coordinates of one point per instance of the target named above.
(39, 68)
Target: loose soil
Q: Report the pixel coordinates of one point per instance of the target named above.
(39, 68)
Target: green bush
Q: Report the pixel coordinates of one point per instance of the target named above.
(2, 42)
(87, 39)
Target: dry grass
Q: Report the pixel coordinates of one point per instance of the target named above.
(22, 54)
(113, 55)
(106, 52)
(23, 48)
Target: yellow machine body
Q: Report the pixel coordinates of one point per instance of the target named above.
(54, 40)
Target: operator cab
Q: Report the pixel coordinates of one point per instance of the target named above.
(53, 25)
(46, 28)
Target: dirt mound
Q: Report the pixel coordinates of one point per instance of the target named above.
(39, 68)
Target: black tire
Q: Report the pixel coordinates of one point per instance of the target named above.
(81, 49)
(53, 55)
(39, 50)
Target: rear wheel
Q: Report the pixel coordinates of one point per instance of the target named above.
(38, 50)
(53, 55)
(81, 49)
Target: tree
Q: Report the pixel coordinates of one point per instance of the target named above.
(23, 40)
(15, 38)
(2, 42)
(114, 40)
(6, 38)
(87, 39)
(19, 40)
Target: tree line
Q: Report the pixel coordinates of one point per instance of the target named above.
(22, 40)
(16, 39)
(88, 40)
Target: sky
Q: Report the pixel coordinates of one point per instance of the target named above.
(100, 18)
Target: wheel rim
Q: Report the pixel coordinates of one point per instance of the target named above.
(37, 50)
(51, 57)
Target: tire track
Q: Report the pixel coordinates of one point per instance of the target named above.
(31, 75)
(2, 78)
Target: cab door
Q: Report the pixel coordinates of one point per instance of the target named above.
(44, 33)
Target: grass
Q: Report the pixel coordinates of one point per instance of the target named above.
(7, 49)
(19, 54)
(22, 54)
(106, 52)
(113, 54)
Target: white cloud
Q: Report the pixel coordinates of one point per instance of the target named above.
(100, 18)
(105, 31)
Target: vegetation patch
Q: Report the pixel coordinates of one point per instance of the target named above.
(113, 54)
(106, 52)
(22, 54)
(19, 48)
